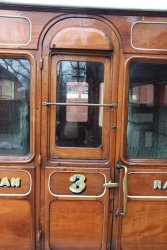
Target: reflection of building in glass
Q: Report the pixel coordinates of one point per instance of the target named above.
(147, 111)
(14, 111)
(9, 84)
(149, 94)
(77, 92)
(79, 82)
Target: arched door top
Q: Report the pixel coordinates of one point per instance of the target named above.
(81, 32)
(82, 38)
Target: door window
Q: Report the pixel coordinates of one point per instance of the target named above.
(79, 86)
(78, 82)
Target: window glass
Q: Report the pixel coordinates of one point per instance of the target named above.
(14, 106)
(147, 111)
(79, 83)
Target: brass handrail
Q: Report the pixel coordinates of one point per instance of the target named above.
(125, 191)
(111, 105)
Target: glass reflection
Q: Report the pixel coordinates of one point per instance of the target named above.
(14, 106)
(147, 111)
(79, 82)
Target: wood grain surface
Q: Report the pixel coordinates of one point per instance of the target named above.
(45, 219)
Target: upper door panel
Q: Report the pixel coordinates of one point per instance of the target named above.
(79, 89)
(79, 126)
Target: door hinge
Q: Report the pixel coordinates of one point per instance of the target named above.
(41, 63)
(39, 234)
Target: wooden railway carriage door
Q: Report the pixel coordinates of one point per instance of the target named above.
(17, 170)
(83, 141)
(78, 134)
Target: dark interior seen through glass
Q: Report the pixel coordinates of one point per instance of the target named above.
(147, 111)
(14, 106)
(79, 82)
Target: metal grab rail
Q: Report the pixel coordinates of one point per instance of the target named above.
(112, 105)
(110, 184)
(125, 190)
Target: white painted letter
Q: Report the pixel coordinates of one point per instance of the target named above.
(157, 184)
(15, 182)
(165, 185)
(4, 182)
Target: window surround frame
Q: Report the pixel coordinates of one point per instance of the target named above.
(58, 152)
(27, 56)
(131, 162)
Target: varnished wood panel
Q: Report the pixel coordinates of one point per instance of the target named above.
(76, 225)
(141, 183)
(149, 35)
(38, 22)
(81, 222)
(121, 24)
(82, 38)
(25, 183)
(70, 219)
(144, 226)
(60, 182)
(15, 221)
(11, 28)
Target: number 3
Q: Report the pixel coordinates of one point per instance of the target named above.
(79, 183)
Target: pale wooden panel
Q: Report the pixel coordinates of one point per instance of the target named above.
(76, 225)
(144, 226)
(150, 35)
(60, 183)
(14, 30)
(15, 221)
(81, 38)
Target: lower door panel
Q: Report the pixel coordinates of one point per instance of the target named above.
(76, 220)
(76, 224)
(145, 223)
(15, 220)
